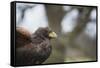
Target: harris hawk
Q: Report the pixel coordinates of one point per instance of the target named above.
(33, 48)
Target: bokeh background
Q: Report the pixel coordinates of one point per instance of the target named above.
(75, 26)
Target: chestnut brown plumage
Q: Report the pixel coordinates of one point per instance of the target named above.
(33, 48)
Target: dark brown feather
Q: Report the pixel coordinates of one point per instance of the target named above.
(22, 37)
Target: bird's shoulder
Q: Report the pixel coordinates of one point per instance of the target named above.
(22, 37)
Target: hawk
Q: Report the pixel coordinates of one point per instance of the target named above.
(33, 48)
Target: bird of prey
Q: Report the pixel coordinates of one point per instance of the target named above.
(33, 48)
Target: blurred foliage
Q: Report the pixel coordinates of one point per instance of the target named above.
(65, 49)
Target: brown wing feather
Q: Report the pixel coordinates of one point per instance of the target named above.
(22, 36)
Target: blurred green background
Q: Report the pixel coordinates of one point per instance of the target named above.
(75, 26)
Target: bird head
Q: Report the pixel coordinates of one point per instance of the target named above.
(46, 32)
